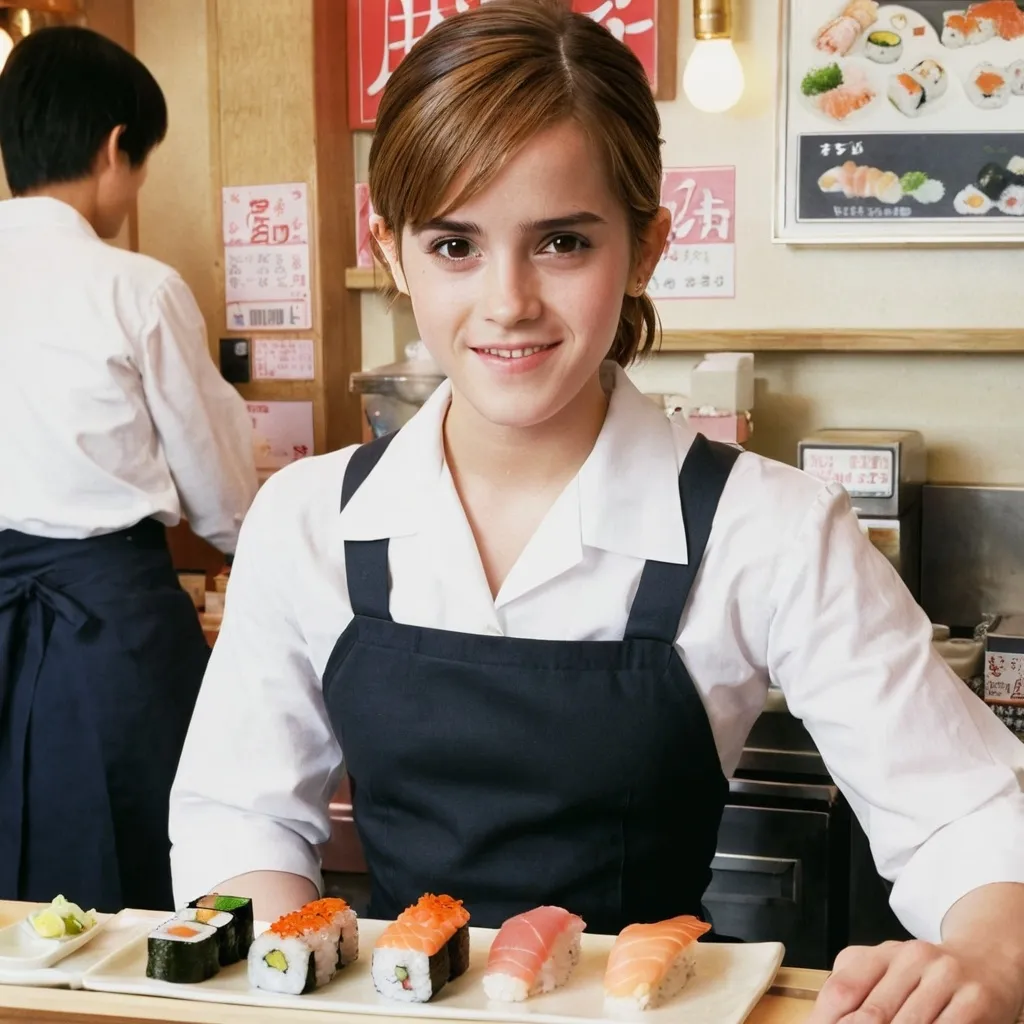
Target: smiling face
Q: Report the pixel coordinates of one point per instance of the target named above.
(517, 293)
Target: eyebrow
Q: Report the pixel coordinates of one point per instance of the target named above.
(463, 227)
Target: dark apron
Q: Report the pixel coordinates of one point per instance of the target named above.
(101, 657)
(511, 773)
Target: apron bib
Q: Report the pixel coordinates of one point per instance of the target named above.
(511, 773)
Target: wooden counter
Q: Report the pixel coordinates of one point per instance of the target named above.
(789, 1002)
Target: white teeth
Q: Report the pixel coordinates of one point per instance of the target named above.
(515, 353)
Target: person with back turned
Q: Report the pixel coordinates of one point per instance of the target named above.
(114, 423)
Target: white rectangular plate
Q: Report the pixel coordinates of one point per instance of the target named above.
(729, 981)
(22, 950)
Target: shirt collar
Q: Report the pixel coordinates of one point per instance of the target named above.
(42, 211)
(628, 487)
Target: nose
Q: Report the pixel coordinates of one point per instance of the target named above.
(512, 292)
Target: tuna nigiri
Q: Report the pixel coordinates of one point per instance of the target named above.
(533, 953)
(426, 947)
(650, 963)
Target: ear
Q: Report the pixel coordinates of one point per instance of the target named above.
(385, 239)
(652, 246)
(110, 153)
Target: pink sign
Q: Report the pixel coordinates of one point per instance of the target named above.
(382, 32)
(266, 215)
(700, 256)
(364, 210)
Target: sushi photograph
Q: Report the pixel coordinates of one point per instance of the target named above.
(898, 90)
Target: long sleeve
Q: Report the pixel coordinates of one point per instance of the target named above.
(261, 761)
(928, 770)
(201, 420)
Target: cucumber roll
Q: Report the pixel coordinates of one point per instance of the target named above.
(240, 908)
(183, 952)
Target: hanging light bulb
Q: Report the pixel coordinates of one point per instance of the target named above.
(713, 79)
(6, 45)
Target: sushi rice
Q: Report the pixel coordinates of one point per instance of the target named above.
(1011, 202)
(1015, 72)
(988, 87)
(972, 202)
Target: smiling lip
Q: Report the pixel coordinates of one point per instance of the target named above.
(516, 360)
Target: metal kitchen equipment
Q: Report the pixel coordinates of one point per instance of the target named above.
(884, 472)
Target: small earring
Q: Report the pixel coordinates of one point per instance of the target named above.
(640, 287)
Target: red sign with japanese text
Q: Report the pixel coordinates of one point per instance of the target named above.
(382, 32)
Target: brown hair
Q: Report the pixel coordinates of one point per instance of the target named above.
(481, 84)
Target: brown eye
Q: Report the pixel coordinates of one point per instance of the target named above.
(564, 245)
(454, 248)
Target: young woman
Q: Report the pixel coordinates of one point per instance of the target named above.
(112, 419)
(539, 621)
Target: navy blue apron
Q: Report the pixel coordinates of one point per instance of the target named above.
(101, 657)
(510, 772)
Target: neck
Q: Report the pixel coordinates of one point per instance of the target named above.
(79, 195)
(548, 453)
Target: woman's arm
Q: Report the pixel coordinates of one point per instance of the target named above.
(273, 893)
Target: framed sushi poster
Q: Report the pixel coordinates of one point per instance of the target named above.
(900, 123)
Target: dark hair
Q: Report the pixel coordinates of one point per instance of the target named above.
(480, 85)
(63, 91)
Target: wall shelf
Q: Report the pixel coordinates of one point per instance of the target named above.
(965, 340)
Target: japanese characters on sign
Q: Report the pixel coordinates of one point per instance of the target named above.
(266, 257)
(863, 473)
(382, 32)
(280, 359)
(282, 432)
(700, 256)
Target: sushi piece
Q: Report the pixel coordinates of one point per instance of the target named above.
(424, 949)
(961, 28)
(533, 953)
(302, 950)
(924, 189)
(1011, 202)
(1015, 73)
(932, 75)
(838, 36)
(182, 952)
(651, 963)
(1016, 167)
(988, 87)
(239, 907)
(1005, 17)
(840, 103)
(225, 927)
(857, 181)
(884, 47)
(865, 12)
(972, 202)
(907, 94)
(993, 180)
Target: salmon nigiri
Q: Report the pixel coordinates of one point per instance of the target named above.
(533, 953)
(650, 963)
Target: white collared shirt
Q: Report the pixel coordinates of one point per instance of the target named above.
(789, 590)
(111, 409)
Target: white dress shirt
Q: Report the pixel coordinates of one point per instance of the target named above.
(111, 409)
(789, 590)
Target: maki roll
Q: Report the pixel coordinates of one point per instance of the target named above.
(182, 952)
(302, 951)
(908, 94)
(987, 87)
(225, 927)
(1015, 72)
(533, 953)
(240, 909)
(417, 955)
(933, 76)
(883, 47)
(993, 180)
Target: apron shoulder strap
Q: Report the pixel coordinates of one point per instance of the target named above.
(665, 586)
(366, 561)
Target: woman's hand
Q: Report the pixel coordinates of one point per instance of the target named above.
(921, 983)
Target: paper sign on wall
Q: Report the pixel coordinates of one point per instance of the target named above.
(282, 432)
(281, 359)
(266, 257)
(700, 257)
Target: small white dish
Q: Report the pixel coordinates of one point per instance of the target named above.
(22, 949)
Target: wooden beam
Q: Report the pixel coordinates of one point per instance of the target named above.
(802, 340)
(341, 325)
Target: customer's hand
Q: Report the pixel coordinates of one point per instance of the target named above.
(920, 983)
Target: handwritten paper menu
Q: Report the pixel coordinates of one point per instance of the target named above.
(699, 261)
(266, 257)
(283, 359)
(282, 432)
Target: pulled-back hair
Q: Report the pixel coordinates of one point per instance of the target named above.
(477, 87)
